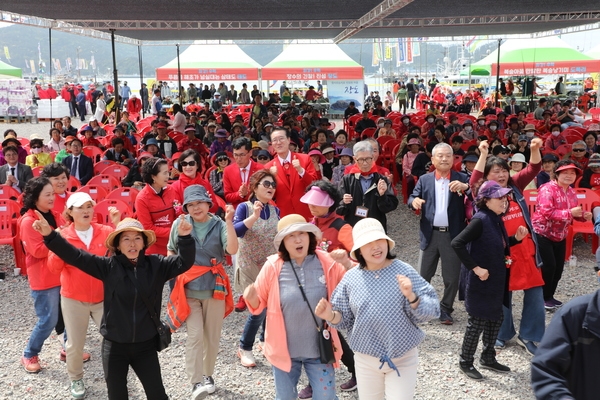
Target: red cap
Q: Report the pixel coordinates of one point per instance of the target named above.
(161, 125)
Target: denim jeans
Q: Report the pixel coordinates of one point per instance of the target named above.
(320, 376)
(251, 328)
(533, 317)
(46, 304)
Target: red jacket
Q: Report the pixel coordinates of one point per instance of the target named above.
(134, 105)
(52, 93)
(74, 283)
(40, 277)
(290, 187)
(232, 180)
(157, 213)
(179, 186)
(64, 93)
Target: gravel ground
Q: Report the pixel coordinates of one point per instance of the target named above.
(438, 373)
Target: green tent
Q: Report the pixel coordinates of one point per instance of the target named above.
(10, 71)
(548, 49)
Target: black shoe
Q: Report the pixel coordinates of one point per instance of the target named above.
(494, 366)
(446, 318)
(471, 372)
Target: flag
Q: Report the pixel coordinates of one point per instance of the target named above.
(388, 51)
(376, 53)
(69, 64)
(32, 66)
(475, 43)
(401, 55)
(6, 53)
(409, 53)
(416, 49)
(93, 62)
(39, 53)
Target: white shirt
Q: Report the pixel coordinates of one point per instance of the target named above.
(86, 236)
(442, 196)
(15, 174)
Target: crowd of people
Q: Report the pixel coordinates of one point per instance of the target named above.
(212, 184)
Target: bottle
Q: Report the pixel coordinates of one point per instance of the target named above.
(573, 261)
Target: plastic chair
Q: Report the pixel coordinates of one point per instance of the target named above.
(103, 215)
(586, 197)
(73, 184)
(369, 132)
(9, 231)
(595, 112)
(530, 196)
(37, 171)
(93, 152)
(97, 193)
(101, 165)
(116, 170)
(9, 193)
(108, 182)
(125, 194)
(562, 150)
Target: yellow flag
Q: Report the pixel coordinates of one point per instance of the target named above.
(6, 53)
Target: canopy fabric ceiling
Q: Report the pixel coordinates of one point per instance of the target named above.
(207, 62)
(174, 20)
(312, 61)
(533, 54)
(594, 52)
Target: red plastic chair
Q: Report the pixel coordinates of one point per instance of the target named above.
(101, 165)
(9, 193)
(108, 182)
(93, 152)
(9, 231)
(37, 171)
(125, 194)
(595, 112)
(103, 215)
(97, 193)
(563, 149)
(530, 196)
(586, 197)
(116, 170)
(369, 132)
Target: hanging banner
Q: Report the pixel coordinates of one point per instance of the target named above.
(342, 92)
(69, 64)
(401, 55)
(213, 74)
(32, 66)
(388, 51)
(6, 53)
(548, 68)
(93, 62)
(376, 53)
(416, 49)
(409, 53)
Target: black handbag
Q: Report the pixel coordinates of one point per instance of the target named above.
(164, 332)
(325, 344)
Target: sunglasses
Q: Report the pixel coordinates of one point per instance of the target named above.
(186, 163)
(263, 157)
(222, 159)
(36, 147)
(578, 150)
(268, 184)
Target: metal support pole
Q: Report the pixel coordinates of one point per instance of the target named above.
(116, 104)
(497, 74)
(141, 79)
(179, 95)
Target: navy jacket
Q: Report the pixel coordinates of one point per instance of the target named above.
(425, 189)
(85, 166)
(567, 361)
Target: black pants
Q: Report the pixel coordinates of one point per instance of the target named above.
(475, 326)
(411, 99)
(553, 256)
(81, 110)
(348, 355)
(143, 358)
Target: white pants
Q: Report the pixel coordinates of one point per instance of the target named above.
(375, 383)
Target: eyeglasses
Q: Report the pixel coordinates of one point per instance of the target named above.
(278, 139)
(268, 184)
(364, 160)
(186, 163)
(238, 155)
(578, 150)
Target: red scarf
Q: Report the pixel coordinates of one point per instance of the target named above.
(356, 170)
(187, 181)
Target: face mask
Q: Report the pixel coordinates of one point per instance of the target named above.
(481, 122)
(493, 128)
(36, 151)
(380, 125)
(555, 133)
(529, 134)
(430, 120)
(468, 129)
(405, 121)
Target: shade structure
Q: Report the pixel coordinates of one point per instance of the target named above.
(10, 71)
(543, 56)
(301, 61)
(211, 62)
(594, 53)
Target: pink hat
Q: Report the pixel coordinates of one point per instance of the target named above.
(414, 141)
(317, 153)
(568, 166)
(317, 197)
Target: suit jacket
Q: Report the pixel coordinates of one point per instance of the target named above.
(290, 187)
(85, 166)
(24, 174)
(425, 189)
(507, 109)
(232, 96)
(232, 180)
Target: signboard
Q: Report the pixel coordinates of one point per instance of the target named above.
(548, 68)
(304, 74)
(207, 74)
(342, 92)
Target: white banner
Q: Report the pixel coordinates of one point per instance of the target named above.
(342, 92)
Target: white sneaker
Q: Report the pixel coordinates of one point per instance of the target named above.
(246, 357)
(78, 389)
(209, 384)
(199, 392)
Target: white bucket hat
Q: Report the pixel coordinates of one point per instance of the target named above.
(294, 223)
(366, 231)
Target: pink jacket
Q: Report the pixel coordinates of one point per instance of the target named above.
(552, 215)
(267, 286)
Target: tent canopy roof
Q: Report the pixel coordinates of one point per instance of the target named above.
(308, 19)
(312, 55)
(9, 70)
(213, 56)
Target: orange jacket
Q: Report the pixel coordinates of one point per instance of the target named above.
(267, 287)
(178, 309)
(40, 277)
(76, 284)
